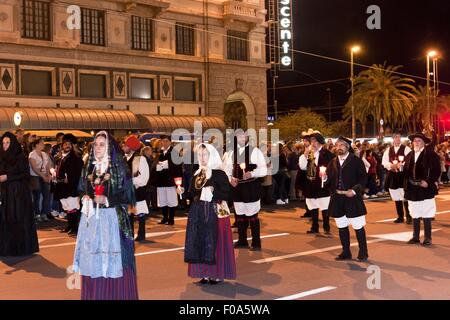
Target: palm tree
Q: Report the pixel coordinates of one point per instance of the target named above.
(437, 107)
(380, 92)
(361, 114)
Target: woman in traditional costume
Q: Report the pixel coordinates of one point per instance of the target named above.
(104, 253)
(209, 242)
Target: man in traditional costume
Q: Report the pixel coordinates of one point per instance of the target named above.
(315, 161)
(393, 161)
(244, 166)
(140, 172)
(346, 178)
(422, 171)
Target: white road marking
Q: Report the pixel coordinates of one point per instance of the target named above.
(443, 198)
(182, 248)
(307, 293)
(390, 220)
(176, 219)
(57, 245)
(401, 236)
(158, 234)
(54, 238)
(307, 253)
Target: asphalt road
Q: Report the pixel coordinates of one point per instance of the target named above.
(292, 264)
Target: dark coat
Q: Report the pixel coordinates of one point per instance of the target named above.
(72, 165)
(313, 188)
(354, 176)
(428, 168)
(18, 234)
(165, 178)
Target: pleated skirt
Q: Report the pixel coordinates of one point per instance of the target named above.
(225, 267)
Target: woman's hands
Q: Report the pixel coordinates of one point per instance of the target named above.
(100, 199)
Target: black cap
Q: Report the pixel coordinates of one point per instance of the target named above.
(318, 136)
(346, 140)
(165, 136)
(419, 135)
(70, 138)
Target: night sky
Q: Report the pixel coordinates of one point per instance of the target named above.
(330, 27)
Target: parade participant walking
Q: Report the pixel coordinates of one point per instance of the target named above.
(18, 236)
(104, 253)
(244, 166)
(66, 177)
(139, 169)
(315, 159)
(302, 173)
(167, 171)
(346, 178)
(393, 161)
(422, 171)
(209, 241)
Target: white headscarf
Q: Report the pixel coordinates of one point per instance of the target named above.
(103, 163)
(214, 161)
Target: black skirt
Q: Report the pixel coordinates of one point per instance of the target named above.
(18, 235)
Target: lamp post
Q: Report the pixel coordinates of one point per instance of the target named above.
(353, 50)
(430, 54)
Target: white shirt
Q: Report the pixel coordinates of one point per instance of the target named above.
(343, 158)
(41, 162)
(257, 157)
(385, 161)
(417, 154)
(303, 161)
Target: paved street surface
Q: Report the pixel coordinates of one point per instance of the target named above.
(292, 264)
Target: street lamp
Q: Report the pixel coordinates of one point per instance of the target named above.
(432, 54)
(353, 50)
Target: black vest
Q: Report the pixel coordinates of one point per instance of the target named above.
(249, 190)
(395, 180)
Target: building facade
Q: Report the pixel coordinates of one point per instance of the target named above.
(160, 59)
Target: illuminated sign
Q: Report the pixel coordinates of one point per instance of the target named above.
(285, 34)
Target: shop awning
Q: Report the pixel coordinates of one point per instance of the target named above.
(169, 123)
(60, 119)
(53, 133)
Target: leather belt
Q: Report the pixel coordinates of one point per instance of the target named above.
(416, 183)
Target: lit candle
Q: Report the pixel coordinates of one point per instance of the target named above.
(401, 158)
(178, 182)
(395, 162)
(243, 166)
(323, 170)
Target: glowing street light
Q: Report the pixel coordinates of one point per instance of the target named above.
(353, 50)
(431, 54)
